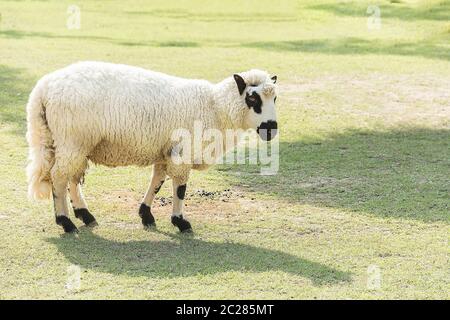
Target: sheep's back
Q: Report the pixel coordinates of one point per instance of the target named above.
(121, 114)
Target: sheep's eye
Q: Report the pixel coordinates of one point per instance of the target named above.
(274, 99)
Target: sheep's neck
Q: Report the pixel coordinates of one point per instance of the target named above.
(227, 104)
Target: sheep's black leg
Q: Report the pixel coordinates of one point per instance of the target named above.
(84, 215)
(61, 211)
(67, 224)
(146, 215)
(182, 224)
(79, 205)
(158, 177)
(179, 191)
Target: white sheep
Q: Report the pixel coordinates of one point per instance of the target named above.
(119, 115)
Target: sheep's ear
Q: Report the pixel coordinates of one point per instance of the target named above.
(274, 79)
(240, 83)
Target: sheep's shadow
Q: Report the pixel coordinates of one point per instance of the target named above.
(181, 255)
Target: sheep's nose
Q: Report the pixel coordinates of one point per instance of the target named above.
(267, 130)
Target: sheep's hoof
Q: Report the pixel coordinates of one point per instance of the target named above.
(84, 215)
(146, 215)
(67, 224)
(92, 224)
(182, 224)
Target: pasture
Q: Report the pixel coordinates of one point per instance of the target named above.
(359, 208)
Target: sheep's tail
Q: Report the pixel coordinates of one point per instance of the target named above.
(40, 141)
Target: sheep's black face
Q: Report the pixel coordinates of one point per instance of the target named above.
(260, 100)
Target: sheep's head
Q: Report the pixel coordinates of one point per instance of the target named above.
(258, 92)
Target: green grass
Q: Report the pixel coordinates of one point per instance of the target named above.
(364, 164)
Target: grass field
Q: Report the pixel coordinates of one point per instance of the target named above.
(363, 187)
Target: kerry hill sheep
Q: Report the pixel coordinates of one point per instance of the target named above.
(119, 115)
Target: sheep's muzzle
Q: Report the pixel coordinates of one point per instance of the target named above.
(267, 130)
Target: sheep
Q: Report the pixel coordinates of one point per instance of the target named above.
(119, 115)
